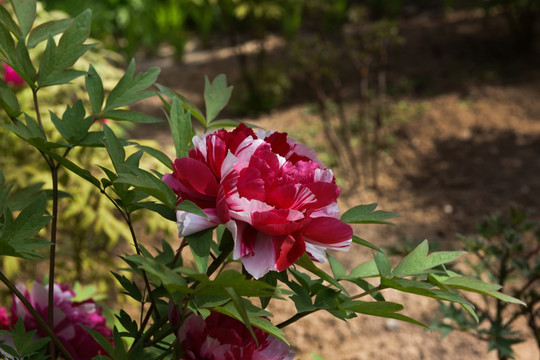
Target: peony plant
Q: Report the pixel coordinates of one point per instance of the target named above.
(256, 209)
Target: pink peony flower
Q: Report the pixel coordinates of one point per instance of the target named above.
(220, 337)
(4, 319)
(11, 77)
(68, 316)
(273, 194)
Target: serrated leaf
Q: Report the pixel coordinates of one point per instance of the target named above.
(418, 261)
(131, 88)
(216, 96)
(46, 30)
(25, 10)
(94, 87)
(366, 214)
(199, 244)
(131, 289)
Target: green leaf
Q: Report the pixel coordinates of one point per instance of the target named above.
(239, 305)
(308, 264)
(114, 148)
(148, 183)
(70, 47)
(56, 60)
(46, 30)
(131, 289)
(101, 340)
(10, 24)
(23, 65)
(94, 86)
(73, 126)
(131, 88)
(216, 96)
(161, 209)
(192, 109)
(478, 286)
(17, 236)
(383, 264)
(131, 116)
(192, 208)
(365, 243)
(366, 214)
(160, 156)
(25, 10)
(384, 309)
(181, 130)
(367, 269)
(8, 100)
(418, 261)
(219, 124)
(199, 244)
(7, 45)
(337, 269)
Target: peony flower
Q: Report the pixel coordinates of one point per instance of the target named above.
(274, 195)
(220, 337)
(11, 76)
(4, 319)
(68, 318)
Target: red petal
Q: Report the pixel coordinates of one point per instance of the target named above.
(288, 249)
(250, 184)
(196, 176)
(325, 194)
(327, 230)
(274, 222)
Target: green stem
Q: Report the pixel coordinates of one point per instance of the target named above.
(145, 277)
(52, 256)
(294, 318)
(36, 316)
(368, 292)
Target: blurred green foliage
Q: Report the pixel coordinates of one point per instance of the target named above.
(91, 226)
(506, 250)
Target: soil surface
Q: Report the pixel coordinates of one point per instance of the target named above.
(472, 150)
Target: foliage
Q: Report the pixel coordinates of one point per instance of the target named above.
(506, 250)
(161, 279)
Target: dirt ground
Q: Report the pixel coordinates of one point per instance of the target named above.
(472, 150)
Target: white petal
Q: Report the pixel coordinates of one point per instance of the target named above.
(263, 258)
(189, 223)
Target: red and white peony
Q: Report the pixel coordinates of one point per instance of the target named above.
(68, 318)
(219, 337)
(274, 195)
